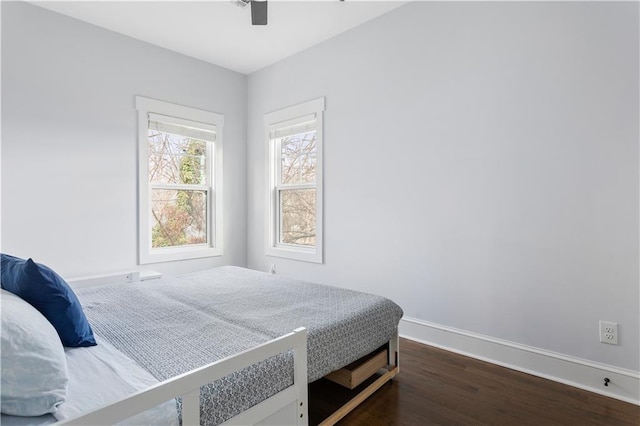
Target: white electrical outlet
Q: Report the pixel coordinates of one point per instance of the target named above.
(609, 332)
(131, 277)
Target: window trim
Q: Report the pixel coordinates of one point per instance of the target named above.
(146, 254)
(283, 118)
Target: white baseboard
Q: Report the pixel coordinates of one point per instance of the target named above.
(580, 373)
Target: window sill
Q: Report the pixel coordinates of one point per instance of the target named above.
(180, 253)
(306, 255)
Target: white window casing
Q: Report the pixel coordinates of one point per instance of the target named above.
(192, 123)
(283, 123)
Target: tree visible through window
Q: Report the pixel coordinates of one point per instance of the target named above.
(179, 215)
(297, 192)
(295, 179)
(180, 181)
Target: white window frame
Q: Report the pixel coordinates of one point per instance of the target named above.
(282, 118)
(213, 247)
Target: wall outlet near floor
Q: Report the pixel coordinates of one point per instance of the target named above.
(273, 268)
(609, 332)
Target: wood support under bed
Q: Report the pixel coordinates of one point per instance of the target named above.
(346, 376)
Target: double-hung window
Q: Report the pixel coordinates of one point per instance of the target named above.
(294, 136)
(180, 206)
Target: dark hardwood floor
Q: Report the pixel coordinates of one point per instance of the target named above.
(437, 387)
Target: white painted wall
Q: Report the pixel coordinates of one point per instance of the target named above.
(481, 160)
(69, 148)
(481, 168)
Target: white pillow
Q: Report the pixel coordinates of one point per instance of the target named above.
(34, 368)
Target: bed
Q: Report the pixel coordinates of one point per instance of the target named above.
(161, 331)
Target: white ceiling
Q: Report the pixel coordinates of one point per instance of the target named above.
(219, 32)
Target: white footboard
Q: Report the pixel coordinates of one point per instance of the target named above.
(290, 402)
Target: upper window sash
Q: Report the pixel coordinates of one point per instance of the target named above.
(279, 166)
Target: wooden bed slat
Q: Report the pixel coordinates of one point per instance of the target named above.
(358, 399)
(357, 372)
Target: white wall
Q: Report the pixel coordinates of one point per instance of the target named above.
(481, 160)
(481, 168)
(69, 148)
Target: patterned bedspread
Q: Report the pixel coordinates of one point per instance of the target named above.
(174, 325)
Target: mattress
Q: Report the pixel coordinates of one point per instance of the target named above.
(171, 326)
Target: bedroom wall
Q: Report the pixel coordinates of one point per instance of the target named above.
(481, 168)
(69, 140)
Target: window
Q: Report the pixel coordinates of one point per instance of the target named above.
(180, 162)
(294, 135)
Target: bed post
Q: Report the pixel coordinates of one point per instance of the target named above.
(300, 376)
(394, 351)
(191, 408)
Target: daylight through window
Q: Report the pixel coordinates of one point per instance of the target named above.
(178, 187)
(179, 162)
(295, 141)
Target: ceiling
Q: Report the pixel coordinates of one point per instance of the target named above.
(219, 32)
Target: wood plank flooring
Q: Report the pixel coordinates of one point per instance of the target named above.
(437, 387)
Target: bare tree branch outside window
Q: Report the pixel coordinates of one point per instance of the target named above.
(297, 194)
(179, 216)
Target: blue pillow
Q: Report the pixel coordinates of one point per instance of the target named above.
(49, 294)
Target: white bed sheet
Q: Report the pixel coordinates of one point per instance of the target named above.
(99, 375)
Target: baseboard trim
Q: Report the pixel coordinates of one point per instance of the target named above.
(577, 372)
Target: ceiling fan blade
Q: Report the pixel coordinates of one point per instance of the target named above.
(258, 12)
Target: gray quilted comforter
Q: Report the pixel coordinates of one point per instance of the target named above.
(174, 325)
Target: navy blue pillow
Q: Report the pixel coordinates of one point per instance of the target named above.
(49, 294)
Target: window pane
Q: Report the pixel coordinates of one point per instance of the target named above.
(298, 156)
(298, 216)
(178, 217)
(176, 159)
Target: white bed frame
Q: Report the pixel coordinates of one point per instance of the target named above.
(287, 407)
